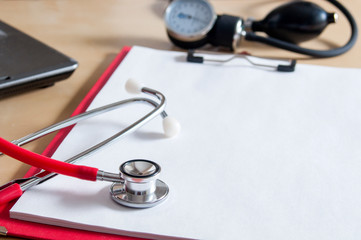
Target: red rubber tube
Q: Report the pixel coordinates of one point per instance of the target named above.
(49, 164)
(10, 193)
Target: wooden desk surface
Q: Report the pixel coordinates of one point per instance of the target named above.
(93, 32)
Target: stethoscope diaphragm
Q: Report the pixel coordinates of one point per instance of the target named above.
(141, 187)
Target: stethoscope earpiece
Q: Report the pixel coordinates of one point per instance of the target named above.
(171, 126)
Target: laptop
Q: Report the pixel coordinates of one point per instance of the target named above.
(26, 63)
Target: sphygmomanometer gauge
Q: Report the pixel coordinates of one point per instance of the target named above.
(188, 22)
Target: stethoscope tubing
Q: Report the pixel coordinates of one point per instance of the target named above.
(52, 166)
(80, 117)
(251, 36)
(46, 163)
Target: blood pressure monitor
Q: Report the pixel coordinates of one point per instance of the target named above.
(192, 24)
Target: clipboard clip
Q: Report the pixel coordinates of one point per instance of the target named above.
(289, 65)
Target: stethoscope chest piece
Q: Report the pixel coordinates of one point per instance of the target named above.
(141, 187)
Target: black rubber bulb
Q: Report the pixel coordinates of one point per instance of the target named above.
(295, 22)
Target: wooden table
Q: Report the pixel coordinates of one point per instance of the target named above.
(93, 32)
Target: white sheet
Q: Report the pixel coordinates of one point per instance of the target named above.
(261, 155)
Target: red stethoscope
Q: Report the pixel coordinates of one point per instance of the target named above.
(138, 177)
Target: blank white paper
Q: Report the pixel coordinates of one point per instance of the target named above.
(261, 155)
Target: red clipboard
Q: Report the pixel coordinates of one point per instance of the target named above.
(24, 229)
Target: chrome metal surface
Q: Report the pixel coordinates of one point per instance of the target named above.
(119, 194)
(141, 188)
(238, 35)
(139, 168)
(139, 176)
(109, 177)
(18, 180)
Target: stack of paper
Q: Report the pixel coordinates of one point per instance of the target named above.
(261, 155)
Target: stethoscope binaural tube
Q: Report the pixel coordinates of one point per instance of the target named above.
(52, 166)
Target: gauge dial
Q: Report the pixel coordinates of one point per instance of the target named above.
(189, 20)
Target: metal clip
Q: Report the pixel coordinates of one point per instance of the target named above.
(288, 67)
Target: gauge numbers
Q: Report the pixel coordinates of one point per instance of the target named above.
(190, 18)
